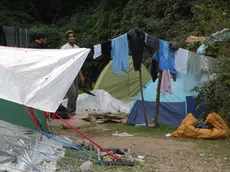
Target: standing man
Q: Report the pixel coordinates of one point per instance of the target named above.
(72, 93)
(39, 41)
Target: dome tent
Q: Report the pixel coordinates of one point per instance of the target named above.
(173, 107)
(124, 86)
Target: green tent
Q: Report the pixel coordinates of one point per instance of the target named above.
(16, 114)
(123, 86)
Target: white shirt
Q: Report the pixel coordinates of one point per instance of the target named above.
(68, 46)
(97, 51)
(181, 60)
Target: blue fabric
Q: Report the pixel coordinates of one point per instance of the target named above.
(120, 54)
(169, 113)
(165, 57)
(201, 49)
(192, 106)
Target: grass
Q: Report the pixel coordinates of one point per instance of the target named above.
(140, 130)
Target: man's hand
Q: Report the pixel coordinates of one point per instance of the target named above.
(81, 78)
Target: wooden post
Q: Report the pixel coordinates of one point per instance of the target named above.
(157, 103)
(142, 99)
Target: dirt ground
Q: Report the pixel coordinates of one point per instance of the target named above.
(162, 154)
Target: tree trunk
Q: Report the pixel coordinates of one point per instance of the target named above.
(157, 103)
(142, 99)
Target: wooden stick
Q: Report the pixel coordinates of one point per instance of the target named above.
(157, 103)
(142, 99)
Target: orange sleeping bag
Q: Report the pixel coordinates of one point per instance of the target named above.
(219, 128)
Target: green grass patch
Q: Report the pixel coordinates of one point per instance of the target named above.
(140, 130)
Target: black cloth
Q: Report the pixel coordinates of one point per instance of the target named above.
(136, 39)
(62, 112)
(152, 44)
(173, 46)
(2, 37)
(154, 70)
(106, 48)
(201, 124)
(36, 45)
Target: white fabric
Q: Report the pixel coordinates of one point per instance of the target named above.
(97, 51)
(146, 36)
(68, 46)
(181, 60)
(38, 78)
(101, 103)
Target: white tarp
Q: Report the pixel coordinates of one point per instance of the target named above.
(38, 78)
(101, 103)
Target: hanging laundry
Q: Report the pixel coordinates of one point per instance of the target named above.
(154, 68)
(120, 54)
(2, 37)
(165, 82)
(181, 60)
(165, 57)
(136, 39)
(97, 51)
(106, 48)
(152, 44)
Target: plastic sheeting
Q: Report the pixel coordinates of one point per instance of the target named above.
(200, 69)
(102, 102)
(38, 78)
(20, 146)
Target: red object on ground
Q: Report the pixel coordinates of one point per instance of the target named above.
(81, 134)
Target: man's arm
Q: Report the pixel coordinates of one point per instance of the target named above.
(81, 78)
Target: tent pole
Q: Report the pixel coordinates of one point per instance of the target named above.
(157, 104)
(142, 98)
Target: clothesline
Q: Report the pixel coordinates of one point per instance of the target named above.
(165, 56)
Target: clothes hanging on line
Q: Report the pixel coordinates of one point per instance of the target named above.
(154, 70)
(136, 39)
(165, 82)
(2, 37)
(152, 43)
(120, 54)
(106, 48)
(97, 51)
(165, 57)
(181, 60)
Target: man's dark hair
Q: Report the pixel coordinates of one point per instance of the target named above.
(40, 35)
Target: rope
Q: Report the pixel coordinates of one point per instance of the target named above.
(78, 155)
(81, 134)
(66, 143)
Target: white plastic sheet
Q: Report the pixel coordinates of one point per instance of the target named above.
(38, 78)
(101, 103)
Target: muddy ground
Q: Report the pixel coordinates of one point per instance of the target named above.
(162, 154)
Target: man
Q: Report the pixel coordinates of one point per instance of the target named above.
(39, 41)
(72, 93)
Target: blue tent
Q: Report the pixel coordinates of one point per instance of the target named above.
(173, 107)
